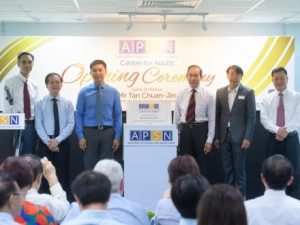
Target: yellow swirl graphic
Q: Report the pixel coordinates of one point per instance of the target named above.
(8, 56)
(277, 51)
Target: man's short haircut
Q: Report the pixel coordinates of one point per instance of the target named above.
(279, 69)
(97, 61)
(51, 75)
(24, 53)
(236, 69)
(196, 66)
(35, 163)
(113, 170)
(20, 170)
(221, 204)
(8, 187)
(91, 187)
(277, 170)
(186, 192)
(182, 165)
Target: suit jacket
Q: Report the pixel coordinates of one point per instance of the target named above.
(241, 117)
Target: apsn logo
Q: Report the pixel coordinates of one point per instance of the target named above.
(9, 120)
(148, 106)
(151, 135)
(147, 46)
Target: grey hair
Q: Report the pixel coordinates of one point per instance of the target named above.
(113, 170)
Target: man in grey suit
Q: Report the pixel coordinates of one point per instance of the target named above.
(235, 122)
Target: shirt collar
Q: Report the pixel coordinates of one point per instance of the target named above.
(234, 90)
(272, 192)
(197, 89)
(22, 77)
(50, 97)
(285, 92)
(102, 85)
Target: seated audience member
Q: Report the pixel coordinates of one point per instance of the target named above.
(31, 214)
(185, 194)
(221, 204)
(57, 202)
(91, 191)
(10, 199)
(274, 207)
(120, 208)
(166, 213)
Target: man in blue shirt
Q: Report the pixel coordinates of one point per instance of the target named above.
(54, 128)
(98, 118)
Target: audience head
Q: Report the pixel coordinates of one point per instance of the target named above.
(36, 166)
(221, 204)
(182, 165)
(10, 197)
(91, 187)
(20, 170)
(186, 192)
(113, 170)
(277, 172)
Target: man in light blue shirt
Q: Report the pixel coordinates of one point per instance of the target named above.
(92, 190)
(120, 208)
(54, 123)
(98, 118)
(185, 194)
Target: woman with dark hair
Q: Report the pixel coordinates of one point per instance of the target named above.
(31, 214)
(221, 204)
(166, 213)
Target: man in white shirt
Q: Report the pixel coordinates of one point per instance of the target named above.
(195, 118)
(279, 114)
(21, 95)
(57, 202)
(274, 207)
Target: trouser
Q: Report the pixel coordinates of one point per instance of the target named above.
(192, 141)
(28, 139)
(233, 161)
(98, 145)
(290, 148)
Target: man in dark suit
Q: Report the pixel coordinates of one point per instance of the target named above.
(235, 122)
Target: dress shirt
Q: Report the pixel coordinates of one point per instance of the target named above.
(268, 110)
(274, 207)
(7, 219)
(93, 217)
(44, 119)
(119, 208)
(57, 202)
(231, 96)
(166, 213)
(86, 109)
(16, 86)
(186, 221)
(205, 108)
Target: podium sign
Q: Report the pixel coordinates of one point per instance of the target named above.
(151, 113)
(12, 121)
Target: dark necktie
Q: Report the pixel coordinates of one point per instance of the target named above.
(190, 114)
(99, 106)
(26, 99)
(56, 117)
(280, 112)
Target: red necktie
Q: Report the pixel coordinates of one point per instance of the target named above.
(26, 99)
(190, 114)
(280, 112)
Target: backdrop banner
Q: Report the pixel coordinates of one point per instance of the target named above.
(149, 68)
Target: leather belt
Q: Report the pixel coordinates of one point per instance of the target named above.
(29, 121)
(99, 127)
(192, 125)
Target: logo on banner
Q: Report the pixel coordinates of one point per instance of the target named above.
(151, 135)
(147, 46)
(9, 120)
(148, 106)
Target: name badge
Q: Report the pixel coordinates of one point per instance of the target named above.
(241, 97)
